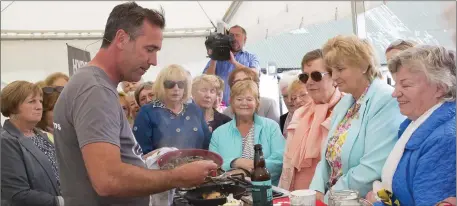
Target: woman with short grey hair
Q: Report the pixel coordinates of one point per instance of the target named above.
(144, 93)
(420, 170)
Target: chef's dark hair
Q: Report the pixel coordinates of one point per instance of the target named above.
(130, 18)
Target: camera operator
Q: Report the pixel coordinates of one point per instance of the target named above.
(238, 58)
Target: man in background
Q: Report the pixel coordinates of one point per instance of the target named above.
(238, 58)
(99, 159)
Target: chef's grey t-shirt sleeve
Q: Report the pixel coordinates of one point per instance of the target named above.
(96, 117)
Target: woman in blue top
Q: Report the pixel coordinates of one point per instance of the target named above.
(364, 123)
(420, 170)
(235, 140)
(169, 121)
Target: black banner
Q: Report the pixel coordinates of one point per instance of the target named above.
(77, 58)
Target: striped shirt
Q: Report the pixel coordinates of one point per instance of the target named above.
(248, 145)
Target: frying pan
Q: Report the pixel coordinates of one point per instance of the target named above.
(207, 155)
(195, 196)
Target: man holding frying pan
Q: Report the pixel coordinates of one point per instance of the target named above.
(99, 160)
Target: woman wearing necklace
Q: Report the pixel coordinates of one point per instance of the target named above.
(364, 124)
(204, 93)
(169, 121)
(235, 140)
(29, 167)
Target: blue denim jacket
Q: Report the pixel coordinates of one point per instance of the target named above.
(156, 126)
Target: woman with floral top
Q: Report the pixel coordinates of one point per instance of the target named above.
(364, 124)
(169, 121)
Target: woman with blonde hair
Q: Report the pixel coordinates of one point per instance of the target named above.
(235, 140)
(204, 93)
(169, 121)
(125, 106)
(57, 79)
(310, 124)
(364, 123)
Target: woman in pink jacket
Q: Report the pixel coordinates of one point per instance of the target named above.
(309, 125)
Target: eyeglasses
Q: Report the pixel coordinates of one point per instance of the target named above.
(315, 76)
(298, 97)
(168, 84)
(50, 90)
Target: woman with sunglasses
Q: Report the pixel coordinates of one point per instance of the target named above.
(310, 123)
(50, 96)
(169, 121)
(364, 123)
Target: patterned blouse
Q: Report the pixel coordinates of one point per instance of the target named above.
(48, 149)
(248, 145)
(336, 142)
(160, 104)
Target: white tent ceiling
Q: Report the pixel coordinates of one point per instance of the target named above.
(260, 18)
(92, 15)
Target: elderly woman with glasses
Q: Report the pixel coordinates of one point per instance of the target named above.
(268, 107)
(364, 123)
(310, 124)
(169, 121)
(28, 162)
(420, 170)
(284, 83)
(298, 97)
(50, 96)
(204, 93)
(235, 140)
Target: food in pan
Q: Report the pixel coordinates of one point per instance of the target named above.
(176, 162)
(232, 201)
(212, 195)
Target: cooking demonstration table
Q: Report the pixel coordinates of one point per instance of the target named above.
(238, 179)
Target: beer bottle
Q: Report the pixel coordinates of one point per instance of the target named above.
(262, 194)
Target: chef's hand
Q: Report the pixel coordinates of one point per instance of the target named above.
(237, 171)
(319, 196)
(150, 153)
(244, 163)
(192, 174)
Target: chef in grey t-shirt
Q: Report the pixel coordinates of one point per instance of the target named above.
(98, 158)
(89, 100)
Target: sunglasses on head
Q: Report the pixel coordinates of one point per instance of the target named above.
(50, 90)
(168, 84)
(315, 76)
